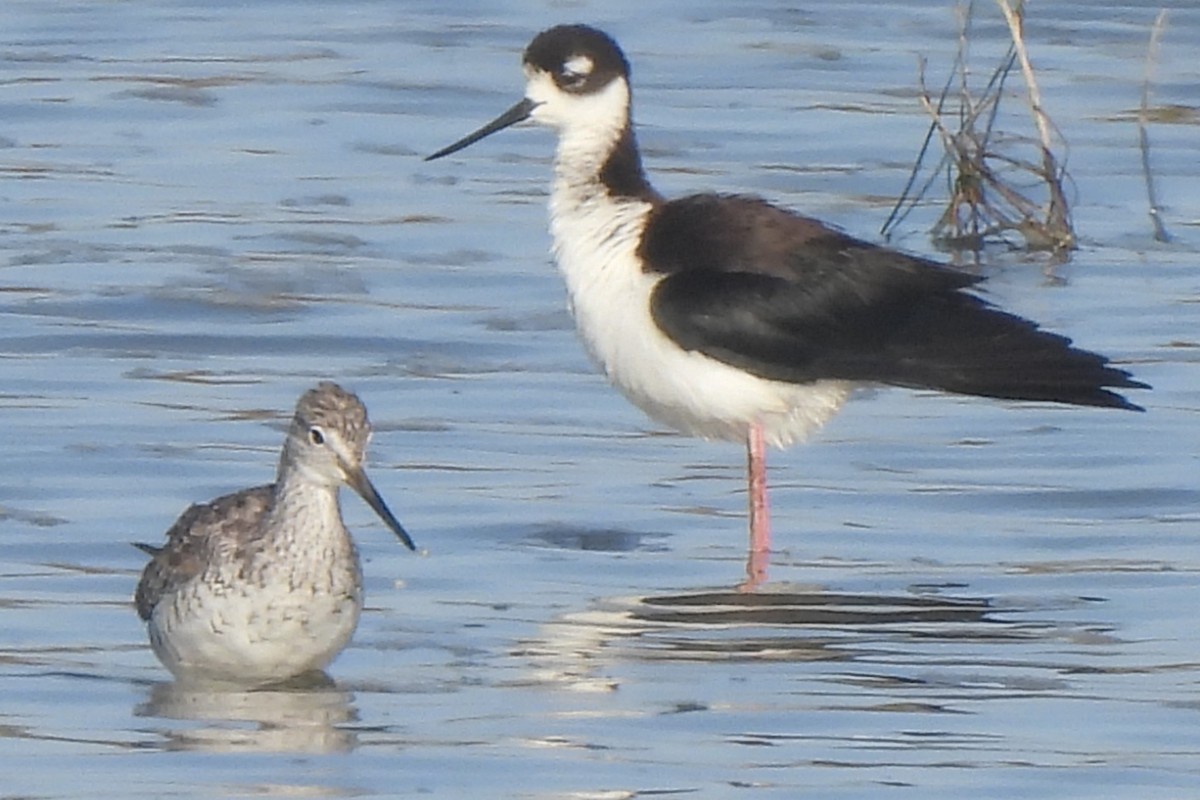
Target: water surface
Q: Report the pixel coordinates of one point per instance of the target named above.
(207, 207)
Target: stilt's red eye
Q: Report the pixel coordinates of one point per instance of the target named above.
(316, 436)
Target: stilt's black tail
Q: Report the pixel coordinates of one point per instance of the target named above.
(959, 343)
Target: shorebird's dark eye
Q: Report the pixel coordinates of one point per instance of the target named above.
(316, 436)
(575, 72)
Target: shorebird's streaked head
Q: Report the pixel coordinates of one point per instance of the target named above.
(327, 441)
(576, 77)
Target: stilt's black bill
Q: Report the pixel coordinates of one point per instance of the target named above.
(520, 111)
(360, 483)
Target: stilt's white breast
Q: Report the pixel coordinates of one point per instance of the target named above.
(595, 245)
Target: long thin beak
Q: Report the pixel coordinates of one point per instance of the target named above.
(357, 478)
(518, 112)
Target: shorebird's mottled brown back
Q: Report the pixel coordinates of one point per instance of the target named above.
(197, 538)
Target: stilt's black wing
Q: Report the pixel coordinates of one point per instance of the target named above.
(788, 298)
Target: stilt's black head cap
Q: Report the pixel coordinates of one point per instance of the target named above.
(580, 58)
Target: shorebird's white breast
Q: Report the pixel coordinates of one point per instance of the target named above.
(275, 615)
(595, 245)
(246, 636)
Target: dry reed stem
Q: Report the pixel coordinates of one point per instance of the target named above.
(1160, 230)
(984, 201)
(1056, 229)
(1016, 30)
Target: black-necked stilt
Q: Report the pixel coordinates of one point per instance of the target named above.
(265, 584)
(726, 317)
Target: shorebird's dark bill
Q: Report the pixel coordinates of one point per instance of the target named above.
(520, 111)
(360, 483)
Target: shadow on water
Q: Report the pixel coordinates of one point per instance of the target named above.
(940, 640)
(596, 540)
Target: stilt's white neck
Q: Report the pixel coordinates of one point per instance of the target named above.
(596, 158)
(579, 165)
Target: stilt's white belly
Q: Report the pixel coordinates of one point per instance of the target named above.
(687, 390)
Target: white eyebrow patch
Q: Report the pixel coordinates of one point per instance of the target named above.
(578, 65)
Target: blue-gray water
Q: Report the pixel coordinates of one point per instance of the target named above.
(205, 207)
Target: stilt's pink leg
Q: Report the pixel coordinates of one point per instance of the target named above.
(760, 523)
(756, 467)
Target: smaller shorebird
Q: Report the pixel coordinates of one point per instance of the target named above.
(265, 584)
(726, 317)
